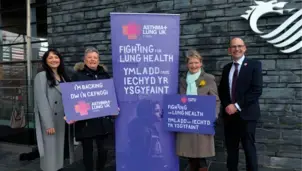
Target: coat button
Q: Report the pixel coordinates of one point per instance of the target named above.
(56, 102)
(55, 113)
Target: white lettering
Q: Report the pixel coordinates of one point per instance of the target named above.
(100, 104)
(97, 93)
(186, 126)
(146, 90)
(136, 49)
(158, 58)
(74, 96)
(177, 106)
(142, 71)
(130, 58)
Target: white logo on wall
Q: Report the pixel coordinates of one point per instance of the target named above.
(288, 35)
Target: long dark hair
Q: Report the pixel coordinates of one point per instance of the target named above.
(49, 73)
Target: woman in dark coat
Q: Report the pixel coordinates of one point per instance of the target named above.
(92, 129)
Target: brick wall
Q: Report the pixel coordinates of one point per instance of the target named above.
(206, 25)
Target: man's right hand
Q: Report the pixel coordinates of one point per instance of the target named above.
(231, 109)
(50, 131)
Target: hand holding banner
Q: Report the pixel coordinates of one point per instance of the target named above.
(89, 99)
(189, 113)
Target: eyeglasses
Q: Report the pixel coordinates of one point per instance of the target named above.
(238, 46)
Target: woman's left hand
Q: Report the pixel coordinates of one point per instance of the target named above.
(116, 115)
(71, 122)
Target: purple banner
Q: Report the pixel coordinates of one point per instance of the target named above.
(89, 99)
(187, 113)
(145, 59)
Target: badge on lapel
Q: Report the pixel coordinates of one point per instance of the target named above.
(202, 83)
(245, 64)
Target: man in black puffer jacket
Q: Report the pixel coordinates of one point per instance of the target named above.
(92, 129)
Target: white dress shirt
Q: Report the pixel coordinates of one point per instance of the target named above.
(240, 61)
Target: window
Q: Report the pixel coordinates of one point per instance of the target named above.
(13, 70)
(13, 29)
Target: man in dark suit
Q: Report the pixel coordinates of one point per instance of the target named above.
(239, 90)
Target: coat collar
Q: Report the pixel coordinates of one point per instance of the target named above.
(93, 73)
(57, 86)
(184, 77)
(80, 67)
(243, 61)
(243, 68)
(240, 61)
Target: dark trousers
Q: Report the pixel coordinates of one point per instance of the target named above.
(88, 153)
(237, 130)
(66, 142)
(196, 163)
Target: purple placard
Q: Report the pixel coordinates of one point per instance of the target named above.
(189, 113)
(89, 99)
(145, 59)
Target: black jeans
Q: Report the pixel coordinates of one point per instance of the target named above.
(87, 145)
(237, 130)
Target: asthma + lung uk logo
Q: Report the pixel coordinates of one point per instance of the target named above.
(82, 108)
(131, 30)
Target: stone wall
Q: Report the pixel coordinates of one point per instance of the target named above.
(206, 25)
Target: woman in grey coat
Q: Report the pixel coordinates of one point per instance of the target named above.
(49, 111)
(196, 81)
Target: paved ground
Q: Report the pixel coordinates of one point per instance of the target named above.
(9, 161)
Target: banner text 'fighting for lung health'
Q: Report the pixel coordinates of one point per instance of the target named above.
(143, 77)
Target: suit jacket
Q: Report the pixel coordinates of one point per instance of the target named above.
(248, 89)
